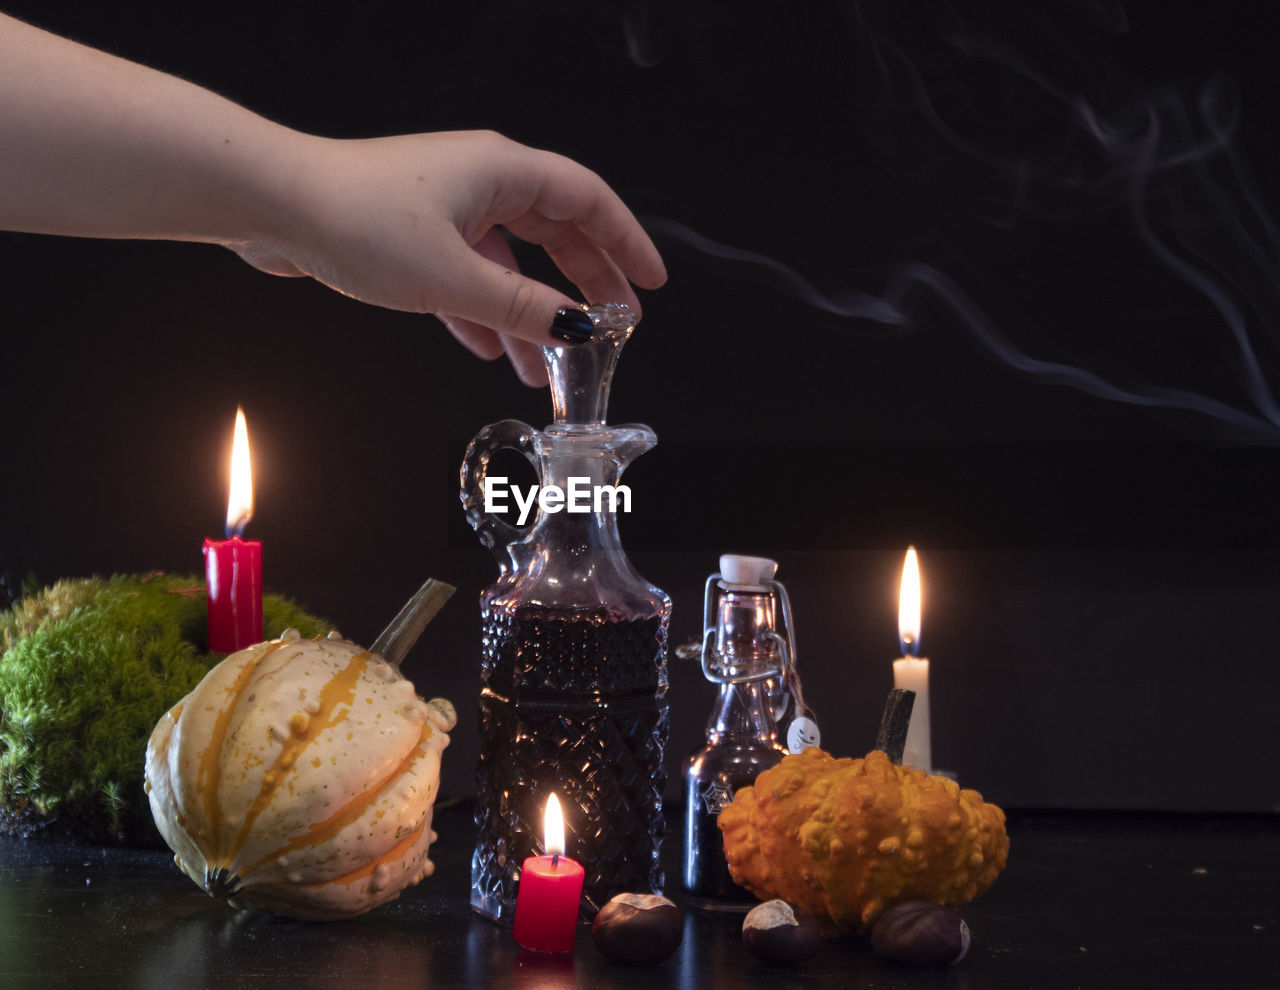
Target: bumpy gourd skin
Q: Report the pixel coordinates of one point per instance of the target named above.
(846, 839)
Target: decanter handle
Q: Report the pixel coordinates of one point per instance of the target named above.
(494, 532)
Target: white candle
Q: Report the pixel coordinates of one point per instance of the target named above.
(911, 672)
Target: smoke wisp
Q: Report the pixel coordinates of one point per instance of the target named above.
(1027, 125)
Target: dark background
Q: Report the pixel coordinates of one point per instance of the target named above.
(994, 279)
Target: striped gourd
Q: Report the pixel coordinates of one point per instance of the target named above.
(299, 777)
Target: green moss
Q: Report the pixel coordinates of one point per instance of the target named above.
(88, 668)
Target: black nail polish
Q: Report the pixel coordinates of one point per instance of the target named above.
(573, 326)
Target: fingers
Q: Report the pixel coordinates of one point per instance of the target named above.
(496, 296)
(591, 269)
(545, 189)
(480, 341)
(494, 246)
(570, 192)
(525, 358)
(595, 274)
(578, 220)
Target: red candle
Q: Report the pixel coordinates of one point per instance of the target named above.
(233, 567)
(550, 892)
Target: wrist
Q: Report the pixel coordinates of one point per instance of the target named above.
(266, 188)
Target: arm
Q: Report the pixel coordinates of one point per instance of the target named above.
(95, 146)
(92, 145)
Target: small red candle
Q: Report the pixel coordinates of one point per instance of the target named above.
(550, 892)
(233, 567)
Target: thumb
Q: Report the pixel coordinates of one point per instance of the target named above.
(494, 294)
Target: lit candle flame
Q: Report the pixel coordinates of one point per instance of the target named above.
(909, 605)
(240, 502)
(553, 828)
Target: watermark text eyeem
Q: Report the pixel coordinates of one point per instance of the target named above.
(579, 496)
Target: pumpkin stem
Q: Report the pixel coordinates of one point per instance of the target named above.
(892, 739)
(395, 642)
(221, 883)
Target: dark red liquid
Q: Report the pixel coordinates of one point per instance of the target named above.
(572, 702)
(712, 776)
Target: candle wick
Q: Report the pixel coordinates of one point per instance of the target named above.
(555, 860)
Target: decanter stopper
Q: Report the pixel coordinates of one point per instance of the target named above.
(582, 373)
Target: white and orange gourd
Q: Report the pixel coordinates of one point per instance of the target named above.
(299, 777)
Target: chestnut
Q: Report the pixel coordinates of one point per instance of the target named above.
(643, 929)
(921, 933)
(774, 933)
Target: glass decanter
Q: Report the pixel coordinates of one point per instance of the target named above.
(574, 648)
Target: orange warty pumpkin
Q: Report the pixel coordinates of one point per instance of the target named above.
(299, 777)
(844, 839)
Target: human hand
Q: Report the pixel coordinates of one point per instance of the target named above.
(96, 146)
(415, 223)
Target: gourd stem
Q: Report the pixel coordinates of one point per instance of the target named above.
(892, 739)
(395, 642)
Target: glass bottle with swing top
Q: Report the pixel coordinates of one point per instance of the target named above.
(748, 650)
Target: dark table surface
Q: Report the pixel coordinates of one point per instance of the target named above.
(1088, 900)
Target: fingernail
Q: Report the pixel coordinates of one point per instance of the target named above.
(573, 326)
